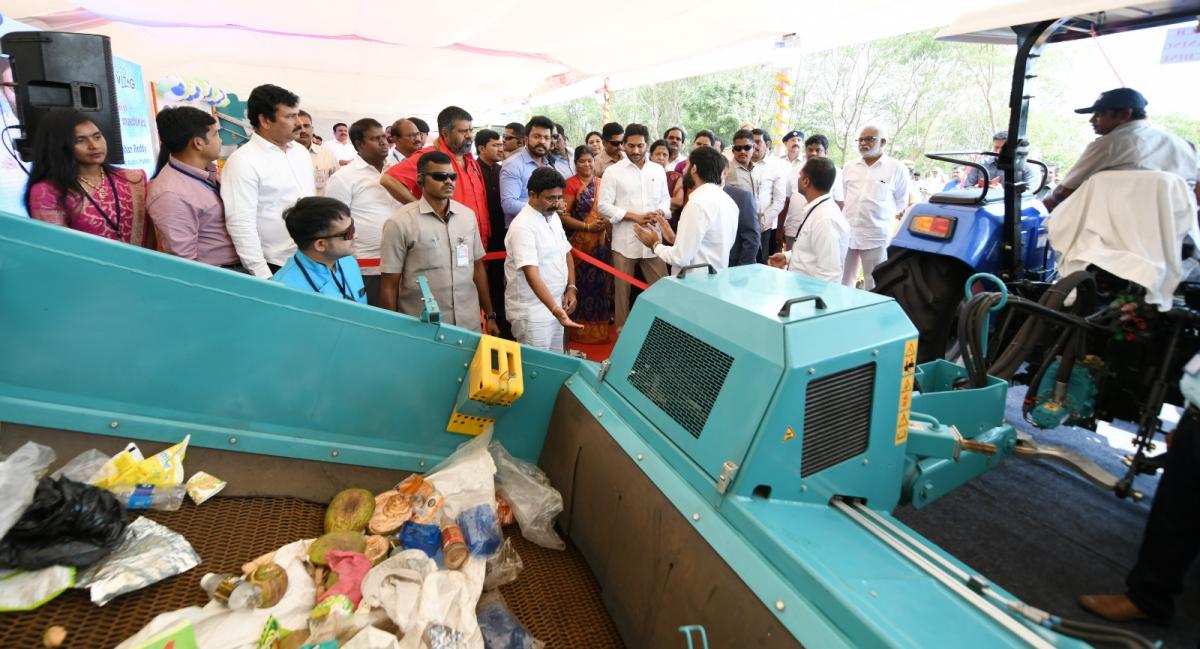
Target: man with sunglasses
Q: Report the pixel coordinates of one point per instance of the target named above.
(762, 181)
(455, 136)
(514, 175)
(324, 258)
(876, 195)
(612, 139)
(513, 138)
(560, 153)
(437, 238)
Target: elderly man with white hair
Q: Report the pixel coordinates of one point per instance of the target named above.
(876, 193)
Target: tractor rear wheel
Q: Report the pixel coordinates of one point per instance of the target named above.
(929, 289)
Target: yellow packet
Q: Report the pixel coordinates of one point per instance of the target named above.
(202, 486)
(118, 464)
(162, 468)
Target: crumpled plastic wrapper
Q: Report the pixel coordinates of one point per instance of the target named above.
(148, 553)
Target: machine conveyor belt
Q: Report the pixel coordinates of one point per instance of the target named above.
(556, 596)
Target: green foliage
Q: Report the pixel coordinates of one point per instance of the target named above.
(929, 95)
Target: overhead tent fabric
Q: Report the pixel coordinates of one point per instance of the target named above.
(493, 57)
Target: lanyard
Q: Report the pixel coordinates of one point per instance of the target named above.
(204, 181)
(808, 214)
(342, 286)
(116, 201)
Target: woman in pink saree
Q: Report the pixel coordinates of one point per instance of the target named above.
(70, 185)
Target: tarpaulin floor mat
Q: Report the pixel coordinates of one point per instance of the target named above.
(555, 596)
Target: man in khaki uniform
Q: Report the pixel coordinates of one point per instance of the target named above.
(437, 238)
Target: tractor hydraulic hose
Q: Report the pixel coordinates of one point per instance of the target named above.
(1031, 331)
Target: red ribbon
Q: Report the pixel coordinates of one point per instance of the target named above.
(492, 256)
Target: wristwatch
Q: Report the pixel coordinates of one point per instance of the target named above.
(490, 316)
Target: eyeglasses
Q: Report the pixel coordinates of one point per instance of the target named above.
(742, 147)
(345, 235)
(864, 140)
(510, 138)
(442, 176)
(613, 142)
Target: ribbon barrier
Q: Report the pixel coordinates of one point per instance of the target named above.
(494, 256)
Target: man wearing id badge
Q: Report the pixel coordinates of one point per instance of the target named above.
(324, 259)
(438, 238)
(1172, 537)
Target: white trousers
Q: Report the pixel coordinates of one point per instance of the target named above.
(543, 335)
(869, 258)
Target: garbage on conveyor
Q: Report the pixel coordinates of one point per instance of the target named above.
(202, 486)
(66, 524)
(401, 569)
(149, 552)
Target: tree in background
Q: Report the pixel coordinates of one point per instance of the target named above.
(931, 95)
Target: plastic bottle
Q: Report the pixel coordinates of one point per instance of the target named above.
(167, 498)
(232, 590)
(454, 548)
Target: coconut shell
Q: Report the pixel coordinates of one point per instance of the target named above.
(273, 580)
(392, 509)
(377, 548)
(344, 540)
(351, 509)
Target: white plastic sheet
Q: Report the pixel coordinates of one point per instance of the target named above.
(19, 475)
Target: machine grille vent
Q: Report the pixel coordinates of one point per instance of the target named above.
(837, 418)
(680, 374)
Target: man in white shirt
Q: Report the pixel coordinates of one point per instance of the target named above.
(779, 176)
(815, 146)
(340, 145)
(263, 178)
(1126, 142)
(633, 193)
(357, 185)
(876, 194)
(539, 272)
(823, 235)
(709, 222)
(324, 164)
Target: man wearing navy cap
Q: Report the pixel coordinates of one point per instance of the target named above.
(1126, 142)
(995, 174)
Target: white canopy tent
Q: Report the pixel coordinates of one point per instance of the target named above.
(371, 57)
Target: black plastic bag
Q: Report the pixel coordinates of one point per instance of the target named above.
(68, 524)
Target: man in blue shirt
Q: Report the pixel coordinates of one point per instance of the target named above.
(324, 260)
(514, 175)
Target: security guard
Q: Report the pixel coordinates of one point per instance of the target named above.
(324, 260)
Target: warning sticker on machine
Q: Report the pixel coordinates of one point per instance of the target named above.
(910, 356)
(906, 388)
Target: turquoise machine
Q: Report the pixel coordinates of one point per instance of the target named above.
(733, 466)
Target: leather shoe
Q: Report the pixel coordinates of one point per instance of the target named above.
(1115, 608)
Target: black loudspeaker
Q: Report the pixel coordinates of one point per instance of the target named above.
(63, 70)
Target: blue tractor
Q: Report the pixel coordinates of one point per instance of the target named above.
(1081, 361)
(955, 235)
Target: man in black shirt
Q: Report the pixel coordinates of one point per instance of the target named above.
(489, 149)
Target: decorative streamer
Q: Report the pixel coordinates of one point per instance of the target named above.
(606, 111)
(783, 90)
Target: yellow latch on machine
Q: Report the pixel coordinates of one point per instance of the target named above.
(493, 381)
